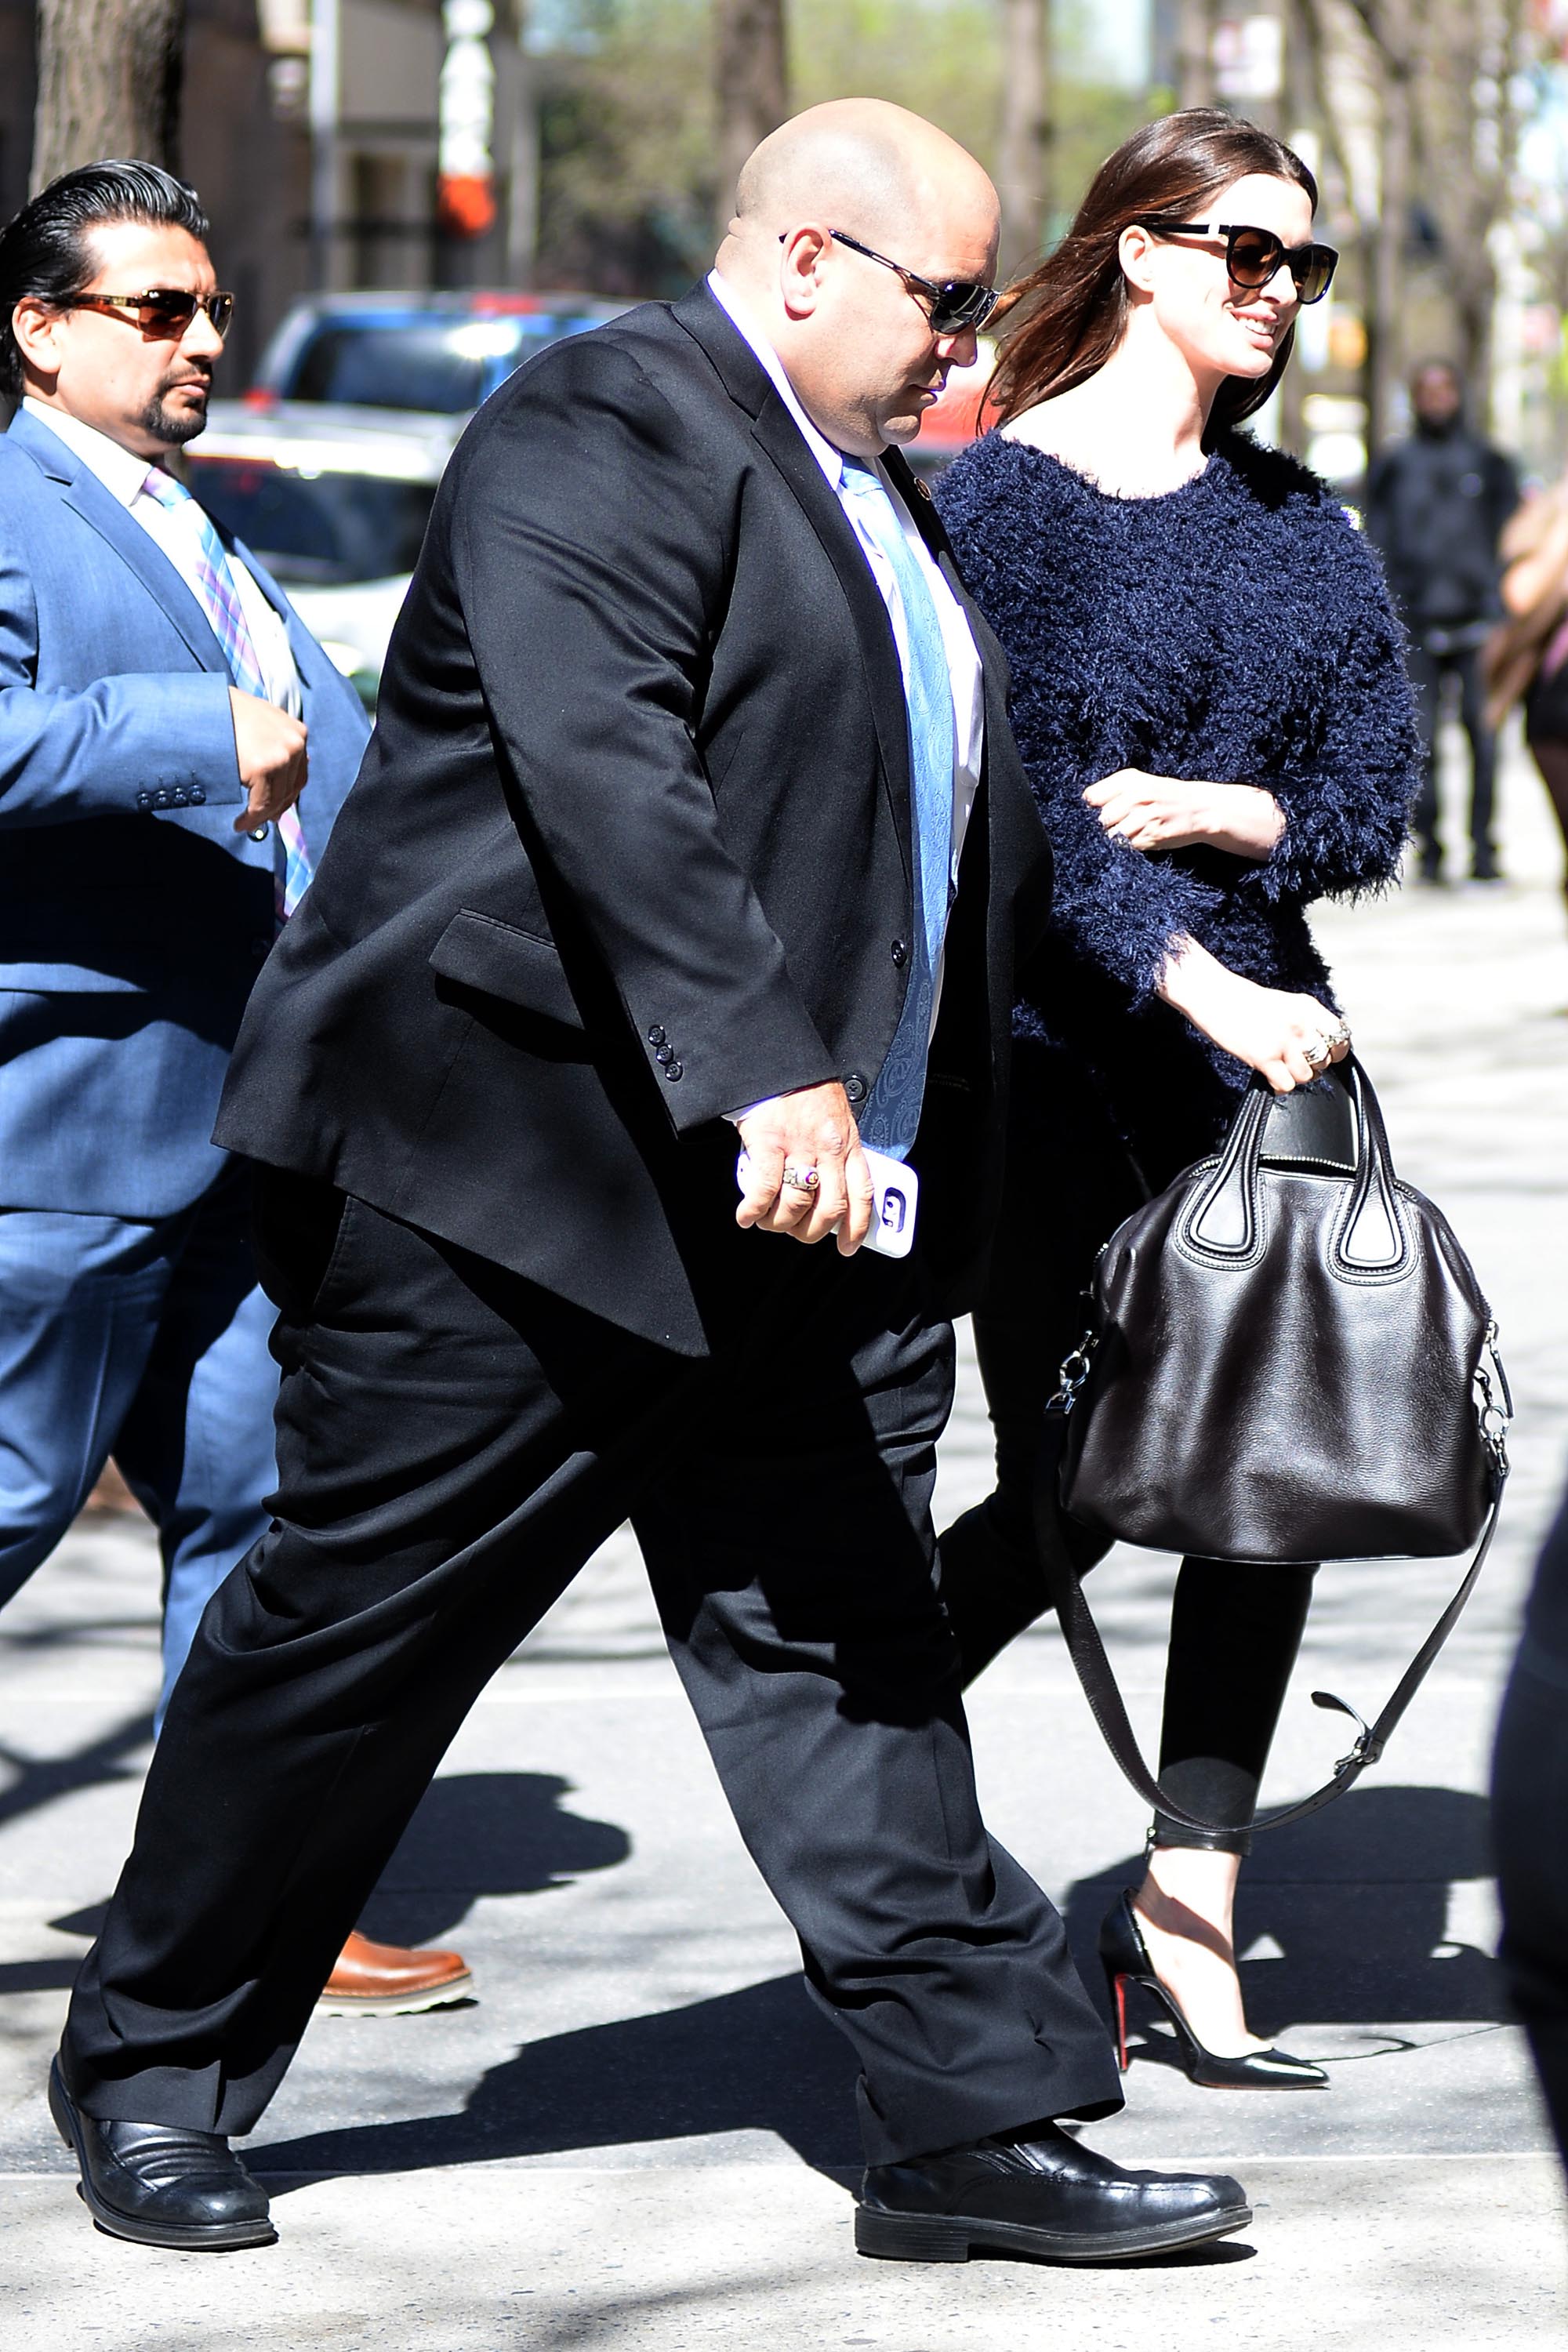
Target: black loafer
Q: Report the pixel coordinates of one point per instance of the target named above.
(159, 2185)
(1039, 2194)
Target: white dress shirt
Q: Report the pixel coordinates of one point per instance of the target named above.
(124, 475)
(962, 660)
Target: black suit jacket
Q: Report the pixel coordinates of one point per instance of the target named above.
(630, 849)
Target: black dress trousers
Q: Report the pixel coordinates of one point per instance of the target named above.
(453, 1444)
(1529, 1826)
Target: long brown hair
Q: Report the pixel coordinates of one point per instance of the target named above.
(1066, 317)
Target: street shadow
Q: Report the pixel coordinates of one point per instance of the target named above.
(474, 1833)
(480, 1833)
(1356, 1899)
(39, 1780)
(763, 2059)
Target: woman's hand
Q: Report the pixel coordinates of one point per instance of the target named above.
(1270, 1029)
(1168, 813)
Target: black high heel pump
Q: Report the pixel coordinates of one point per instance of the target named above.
(1125, 1958)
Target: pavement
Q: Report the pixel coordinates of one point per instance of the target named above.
(641, 2136)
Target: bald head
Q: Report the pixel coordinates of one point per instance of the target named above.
(855, 335)
(874, 166)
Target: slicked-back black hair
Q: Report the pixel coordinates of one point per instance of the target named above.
(42, 250)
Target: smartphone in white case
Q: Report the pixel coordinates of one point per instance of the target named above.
(895, 1191)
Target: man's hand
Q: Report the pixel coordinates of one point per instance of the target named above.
(270, 747)
(1173, 813)
(812, 1129)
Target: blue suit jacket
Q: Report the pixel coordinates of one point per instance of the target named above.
(134, 918)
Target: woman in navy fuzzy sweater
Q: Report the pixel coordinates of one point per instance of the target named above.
(1209, 694)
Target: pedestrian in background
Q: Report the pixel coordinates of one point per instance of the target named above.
(1525, 659)
(1436, 505)
(156, 697)
(1209, 696)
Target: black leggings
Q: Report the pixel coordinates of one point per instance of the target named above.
(1235, 1630)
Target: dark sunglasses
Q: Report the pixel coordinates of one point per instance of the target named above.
(1253, 255)
(952, 307)
(165, 311)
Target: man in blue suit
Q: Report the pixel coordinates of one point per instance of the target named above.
(174, 747)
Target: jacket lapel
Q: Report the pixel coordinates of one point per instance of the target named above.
(86, 495)
(775, 431)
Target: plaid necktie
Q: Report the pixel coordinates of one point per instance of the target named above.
(220, 600)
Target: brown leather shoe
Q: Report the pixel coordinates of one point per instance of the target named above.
(385, 1980)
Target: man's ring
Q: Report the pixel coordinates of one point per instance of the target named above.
(799, 1179)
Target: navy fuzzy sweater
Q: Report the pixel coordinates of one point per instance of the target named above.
(1237, 629)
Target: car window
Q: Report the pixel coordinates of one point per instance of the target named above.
(445, 364)
(327, 528)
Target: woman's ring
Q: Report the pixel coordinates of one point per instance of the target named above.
(1317, 1056)
(799, 1179)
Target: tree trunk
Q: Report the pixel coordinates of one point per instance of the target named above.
(751, 83)
(1194, 52)
(522, 179)
(109, 83)
(1385, 289)
(1296, 109)
(1023, 163)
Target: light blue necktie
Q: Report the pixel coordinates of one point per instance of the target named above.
(220, 599)
(892, 1111)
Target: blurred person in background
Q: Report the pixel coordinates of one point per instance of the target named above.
(1436, 505)
(156, 694)
(1209, 694)
(1525, 660)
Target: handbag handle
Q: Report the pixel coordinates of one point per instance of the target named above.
(1097, 1679)
(1222, 1222)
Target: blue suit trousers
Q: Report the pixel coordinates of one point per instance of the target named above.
(146, 1339)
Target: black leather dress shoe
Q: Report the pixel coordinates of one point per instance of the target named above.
(159, 2185)
(1039, 2194)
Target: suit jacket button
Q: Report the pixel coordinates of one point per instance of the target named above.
(900, 955)
(855, 1087)
(672, 1071)
(198, 797)
(144, 800)
(664, 1055)
(656, 1036)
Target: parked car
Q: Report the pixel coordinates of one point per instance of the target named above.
(436, 353)
(334, 500)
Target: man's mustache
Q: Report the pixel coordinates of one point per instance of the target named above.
(195, 373)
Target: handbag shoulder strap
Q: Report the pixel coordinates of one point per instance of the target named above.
(1109, 1709)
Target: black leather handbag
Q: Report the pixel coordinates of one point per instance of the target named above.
(1288, 1360)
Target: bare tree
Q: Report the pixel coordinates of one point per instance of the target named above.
(1024, 150)
(1195, 24)
(522, 174)
(1392, 26)
(751, 75)
(109, 82)
(1446, 74)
